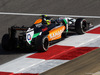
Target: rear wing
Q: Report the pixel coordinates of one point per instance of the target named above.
(12, 30)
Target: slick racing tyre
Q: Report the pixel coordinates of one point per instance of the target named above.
(81, 26)
(41, 43)
(64, 34)
(7, 43)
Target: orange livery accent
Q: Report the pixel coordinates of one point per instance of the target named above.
(56, 33)
(38, 21)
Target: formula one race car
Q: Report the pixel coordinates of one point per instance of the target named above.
(43, 31)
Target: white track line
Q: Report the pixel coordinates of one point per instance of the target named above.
(30, 14)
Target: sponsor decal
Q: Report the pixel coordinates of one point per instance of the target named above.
(29, 37)
(57, 34)
(45, 29)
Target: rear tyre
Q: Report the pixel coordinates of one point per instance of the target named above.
(7, 43)
(64, 34)
(41, 43)
(81, 26)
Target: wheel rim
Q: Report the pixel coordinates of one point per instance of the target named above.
(84, 26)
(45, 44)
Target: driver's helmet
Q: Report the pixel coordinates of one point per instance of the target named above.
(48, 22)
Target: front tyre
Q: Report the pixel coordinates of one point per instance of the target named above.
(81, 26)
(41, 43)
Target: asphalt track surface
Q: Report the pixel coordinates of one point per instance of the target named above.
(64, 7)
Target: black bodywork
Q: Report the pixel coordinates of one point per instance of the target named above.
(17, 35)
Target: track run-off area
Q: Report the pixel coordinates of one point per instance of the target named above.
(79, 52)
